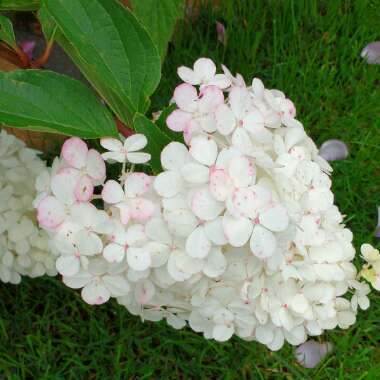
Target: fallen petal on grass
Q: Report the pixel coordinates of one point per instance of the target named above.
(221, 32)
(310, 353)
(371, 53)
(377, 230)
(333, 150)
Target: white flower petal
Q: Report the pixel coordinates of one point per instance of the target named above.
(135, 142)
(204, 69)
(67, 265)
(237, 231)
(275, 218)
(112, 192)
(197, 244)
(204, 149)
(168, 184)
(263, 242)
(138, 258)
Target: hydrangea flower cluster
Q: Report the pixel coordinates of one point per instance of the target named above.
(23, 246)
(238, 235)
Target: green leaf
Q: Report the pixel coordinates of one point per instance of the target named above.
(157, 140)
(42, 100)
(49, 27)
(160, 18)
(112, 49)
(19, 5)
(6, 32)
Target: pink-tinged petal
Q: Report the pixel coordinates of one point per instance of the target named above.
(138, 157)
(95, 293)
(188, 75)
(204, 149)
(135, 142)
(310, 353)
(50, 213)
(68, 265)
(193, 128)
(210, 98)
(141, 209)
(237, 230)
(205, 69)
(225, 119)
(220, 184)
(377, 230)
(125, 212)
(333, 150)
(185, 96)
(112, 144)
(114, 253)
(178, 120)
(96, 168)
(371, 53)
(84, 189)
(263, 243)
(288, 108)
(137, 184)
(144, 292)
(112, 192)
(263, 197)
(74, 151)
(64, 183)
(244, 202)
(205, 206)
(241, 171)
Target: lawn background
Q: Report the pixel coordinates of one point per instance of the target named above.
(309, 49)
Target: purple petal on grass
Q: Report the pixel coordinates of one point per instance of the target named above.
(221, 32)
(28, 47)
(371, 53)
(333, 150)
(310, 353)
(377, 230)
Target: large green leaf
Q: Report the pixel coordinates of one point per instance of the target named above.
(47, 101)
(159, 17)
(157, 140)
(112, 49)
(19, 5)
(6, 31)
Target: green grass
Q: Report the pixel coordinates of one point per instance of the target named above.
(309, 49)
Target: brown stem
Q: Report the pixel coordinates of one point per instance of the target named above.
(23, 57)
(123, 129)
(40, 61)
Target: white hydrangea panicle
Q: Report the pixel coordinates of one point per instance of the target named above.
(238, 235)
(24, 249)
